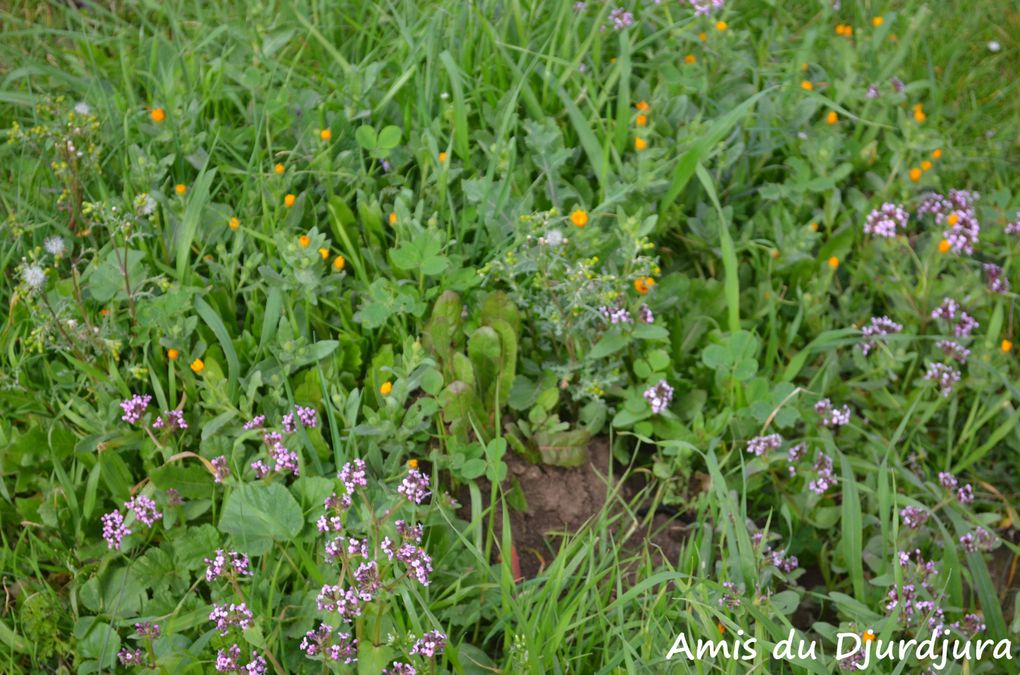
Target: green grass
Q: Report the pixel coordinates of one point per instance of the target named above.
(534, 109)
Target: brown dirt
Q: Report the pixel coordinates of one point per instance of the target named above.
(561, 501)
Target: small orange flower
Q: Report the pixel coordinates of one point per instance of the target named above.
(278, 169)
(157, 115)
(393, 217)
(643, 106)
(412, 464)
(304, 240)
(385, 388)
(579, 217)
(640, 144)
(703, 36)
(324, 252)
(832, 117)
(877, 21)
(289, 200)
(944, 246)
(325, 134)
(953, 218)
(172, 354)
(641, 120)
(234, 223)
(720, 627)
(105, 311)
(868, 635)
(936, 153)
(915, 174)
(197, 366)
(643, 284)
(690, 58)
(721, 25)
(833, 262)
(814, 227)
(180, 188)
(806, 85)
(1006, 346)
(926, 165)
(442, 157)
(774, 253)
(919, 113)
(339, 262)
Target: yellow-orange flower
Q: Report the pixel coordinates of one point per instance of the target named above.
(304, 240)
(289, 200)
(105, 311)
(339, 262)
(393, 217)
(180, 188)
(641, 120)
(157, 115)
(278, 169)
(814, 227)
(579, 217)
(643, 106)
(877, 21)
(944, 246)
(690, 58)
(926, 165)
(1006, 346)
(919, 113)
(643, 284)
(832, 117)
(868, 635)
(412, 464)
(442, 157)
(324, 252)
(833, 262)
(197, 366)
(385, 388)
(721, 25)
(936, 153)
(915, 174)
(640, 144)
(806, 85)
(325, 134)
(953, 218)
(172, 354)
(234, 223)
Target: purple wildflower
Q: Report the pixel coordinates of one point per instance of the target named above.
(995, 279)
(227, 617)
(1014, 227)
(705, 7)
(645, 312)
(144, 508)
(730, 597)
(884, 221)
(260, 468)
(346, 603)
(148, 630)
(878, 327)
(832, 417)
(134, 408)
(872, 92)
(333, 646)
(954, 350)
(616, 315)
(621, 18)
(131, 657)
(659, 396)
(419, 562)
(897, 84)
(217, 566)
(414, 486)
(256, 422)
(913, 517)
(173, 498)
(114, 529)
(978, 540)
(965, 495)
(948, 480)
(400, 668)
(308, 416)
(430, 644)
(170, 419)
(759, 445)
(825, 477)
(220, 469)
(944, 376)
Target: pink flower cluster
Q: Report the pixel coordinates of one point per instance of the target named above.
(832, 416)
(331, 644)
(879, 326)
(759, 445)
(239, 565)
(229, 616)
(659, 396)
(227, 661)
(886, 220)
(114, 528)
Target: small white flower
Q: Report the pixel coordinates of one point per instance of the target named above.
(33, 276)
(554, 238)
(82, 108)
(145, 204)
(445, 95)
(802, 135)
(54, 246)
(994, 46)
